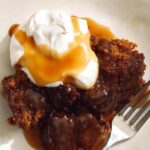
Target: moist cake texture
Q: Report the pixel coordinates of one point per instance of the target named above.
(70, 118)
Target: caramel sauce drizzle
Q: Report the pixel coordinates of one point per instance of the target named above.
(33, 138)
(13, 29)
(99, 30)
(46, 69)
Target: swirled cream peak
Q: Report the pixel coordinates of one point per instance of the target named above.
(54, 48)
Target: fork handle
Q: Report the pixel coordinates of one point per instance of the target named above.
(116, 136)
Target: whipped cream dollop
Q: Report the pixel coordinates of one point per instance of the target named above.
(49, 47)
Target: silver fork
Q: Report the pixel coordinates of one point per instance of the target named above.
(130, 119)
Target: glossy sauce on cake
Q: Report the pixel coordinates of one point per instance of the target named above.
(51, 54)
(104, 33)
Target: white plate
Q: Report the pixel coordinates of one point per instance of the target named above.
(127, 19)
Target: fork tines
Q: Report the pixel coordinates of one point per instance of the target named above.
(136, 115)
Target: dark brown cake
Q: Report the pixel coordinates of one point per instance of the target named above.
(27, 102)
(70, 132)
(70, 118)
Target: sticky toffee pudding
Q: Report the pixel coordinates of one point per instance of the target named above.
(67, 117)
